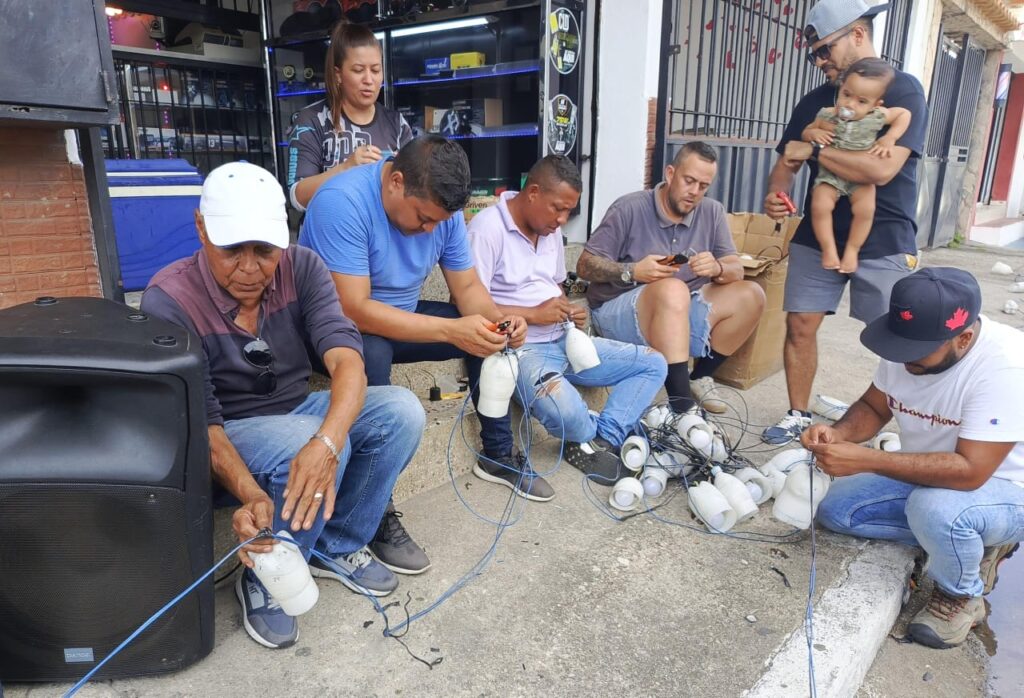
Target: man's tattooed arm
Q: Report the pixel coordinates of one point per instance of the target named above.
(594, 268)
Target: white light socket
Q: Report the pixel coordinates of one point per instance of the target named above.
(757, 483)
(634, 452)
(654, 481)
(626, 494)
(887, 441)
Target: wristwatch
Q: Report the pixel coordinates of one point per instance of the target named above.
(627, 274)
(815, 150)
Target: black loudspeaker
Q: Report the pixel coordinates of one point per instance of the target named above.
(105, 511)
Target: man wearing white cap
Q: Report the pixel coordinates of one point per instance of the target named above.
(837, 35)
(320, 465)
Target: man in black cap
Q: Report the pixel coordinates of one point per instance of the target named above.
(953, 380)
(837, 35)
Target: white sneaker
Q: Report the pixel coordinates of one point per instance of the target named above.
(829, 407)
(705, 392)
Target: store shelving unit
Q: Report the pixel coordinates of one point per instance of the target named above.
(519, 105)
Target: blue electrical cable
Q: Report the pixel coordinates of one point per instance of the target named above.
(812, 579)
(503, 523)
(153, 618)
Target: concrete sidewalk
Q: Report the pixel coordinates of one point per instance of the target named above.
(576, 604)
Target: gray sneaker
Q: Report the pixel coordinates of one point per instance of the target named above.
(514, 471)
(946, 620)
(262, 617)
(705, 392)
(989, 568)
(394, 547)
(358, 571)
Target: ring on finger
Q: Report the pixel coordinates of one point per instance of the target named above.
(318, 495)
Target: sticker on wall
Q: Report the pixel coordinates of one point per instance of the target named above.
(562, 121)
(565, 40)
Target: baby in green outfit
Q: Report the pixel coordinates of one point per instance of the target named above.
(853, 124)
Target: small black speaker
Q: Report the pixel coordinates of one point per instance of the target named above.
(105, 511)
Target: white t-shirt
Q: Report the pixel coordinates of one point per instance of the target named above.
(980, 398)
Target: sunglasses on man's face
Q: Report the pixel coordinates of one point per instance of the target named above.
(824, 52)
(257, 354)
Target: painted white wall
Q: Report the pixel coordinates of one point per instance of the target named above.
(920, 41)
(1015, 199)
(627, 74)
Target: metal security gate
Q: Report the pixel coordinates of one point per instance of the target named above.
(952, 105)
(732, 72)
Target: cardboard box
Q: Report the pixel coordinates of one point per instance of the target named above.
(471, 115)
(476, 204)
(472, 59)
(763, 251)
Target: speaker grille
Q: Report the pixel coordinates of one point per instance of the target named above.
(83, 566)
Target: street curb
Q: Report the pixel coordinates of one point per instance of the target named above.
(851, 620)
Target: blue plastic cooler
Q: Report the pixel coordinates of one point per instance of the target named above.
(153, 203)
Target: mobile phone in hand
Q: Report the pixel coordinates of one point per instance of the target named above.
(674, 260)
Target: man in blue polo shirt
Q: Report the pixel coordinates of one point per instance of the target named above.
(839, 33)
(381, 229)
(321, 465)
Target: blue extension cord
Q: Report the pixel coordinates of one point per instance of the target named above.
(475, 571)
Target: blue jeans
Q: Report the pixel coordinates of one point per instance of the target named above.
(635, 374)
(617, 319)
(379, 353)
(380, 444)
(952, 526)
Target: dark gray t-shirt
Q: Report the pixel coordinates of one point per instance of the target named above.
(636, 226)
(317, 144)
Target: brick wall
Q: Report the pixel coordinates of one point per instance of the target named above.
(650, 177)
(46, 240)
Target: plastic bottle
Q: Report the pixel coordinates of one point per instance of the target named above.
(285, 574)
(580, 349)
(498, 376)
(736, 493)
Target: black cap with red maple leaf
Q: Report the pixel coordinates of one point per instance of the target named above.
(926, 309)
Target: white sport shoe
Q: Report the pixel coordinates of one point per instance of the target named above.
(705, 392)
(829, 407)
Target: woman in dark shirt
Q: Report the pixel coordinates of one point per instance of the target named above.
(349, 127)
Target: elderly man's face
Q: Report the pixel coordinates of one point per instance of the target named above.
(243, 270)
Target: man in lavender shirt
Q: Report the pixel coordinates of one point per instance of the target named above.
(696, 305)
(518, 253)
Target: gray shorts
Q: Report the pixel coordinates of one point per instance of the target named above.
(811, 289)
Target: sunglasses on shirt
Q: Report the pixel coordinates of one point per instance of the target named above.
(824, 52)
(258, 355)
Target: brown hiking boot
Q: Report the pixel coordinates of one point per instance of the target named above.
(946, 620)
(989, 568)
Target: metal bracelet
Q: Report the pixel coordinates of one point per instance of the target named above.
(329, 444)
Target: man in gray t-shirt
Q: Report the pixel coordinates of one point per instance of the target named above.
(694, 305)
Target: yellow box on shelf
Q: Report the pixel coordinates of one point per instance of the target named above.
(472, 59)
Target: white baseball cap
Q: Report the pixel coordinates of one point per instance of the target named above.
(829, 16)
(243, 203)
